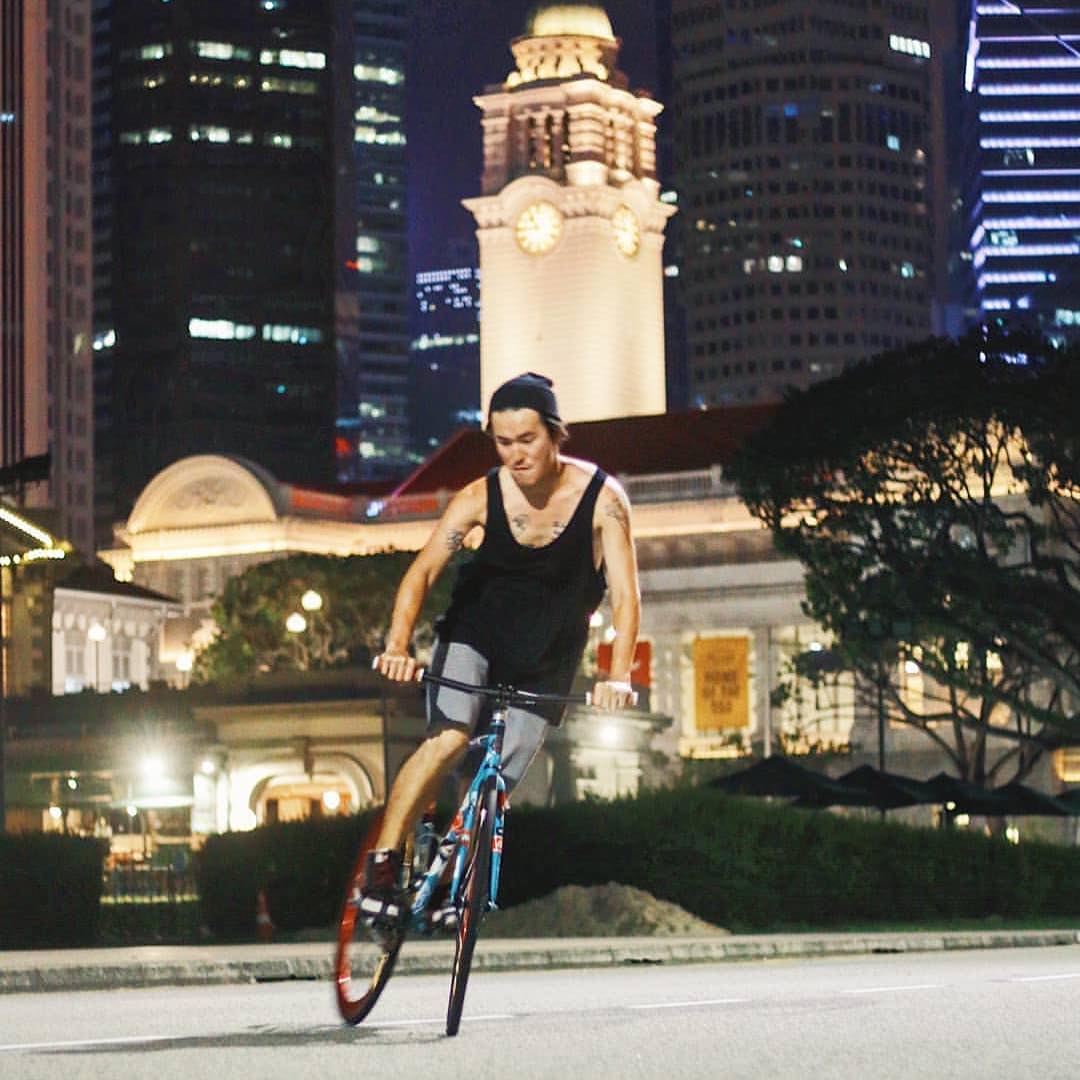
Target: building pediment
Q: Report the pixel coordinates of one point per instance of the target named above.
(207, 490)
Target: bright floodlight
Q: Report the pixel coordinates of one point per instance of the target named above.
(96, 632)
(153, 768)
(296, 623)
(311, 601)
(331, 800)
(185, 661)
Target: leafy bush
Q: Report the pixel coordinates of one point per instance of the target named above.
(50, 890)
(302, 866)
(737, 863)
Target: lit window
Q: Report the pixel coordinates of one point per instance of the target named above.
(370, 73)
(794, 264)
(295, 335)
(153, 136)
(147, 52)
(910, 46)
(892, 142)
(279, 139)
(210, 133)
(276, 85)
(776, 264)
(296, 58)
(220, 329)
(377, 116)
(104, 340)
(367, 244)
(220, 50)
(907, 270)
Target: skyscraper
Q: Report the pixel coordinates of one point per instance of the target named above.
(45, 268)
(804, 142)
(1023, 82)
(372, 419)
(444, 380)
(225, 149)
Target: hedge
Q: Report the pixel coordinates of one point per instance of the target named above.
(50, 890)
(737, 863)
(302, 866)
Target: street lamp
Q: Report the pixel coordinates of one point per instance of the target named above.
(311, 601)
(296, 623)
(96, 634)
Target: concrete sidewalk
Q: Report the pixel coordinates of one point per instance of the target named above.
(153, 965)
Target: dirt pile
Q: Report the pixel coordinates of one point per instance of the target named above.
(610, 910)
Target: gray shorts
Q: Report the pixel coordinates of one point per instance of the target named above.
(525, 731)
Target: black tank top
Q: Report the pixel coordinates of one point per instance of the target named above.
(526, 609)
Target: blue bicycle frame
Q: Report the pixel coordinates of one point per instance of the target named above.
(455, 843)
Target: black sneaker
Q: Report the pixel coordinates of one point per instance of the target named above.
(382, 900)
(444, 918)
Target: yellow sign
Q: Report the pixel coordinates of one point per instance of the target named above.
(721, 684)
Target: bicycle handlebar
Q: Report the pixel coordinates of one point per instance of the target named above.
(507, 694)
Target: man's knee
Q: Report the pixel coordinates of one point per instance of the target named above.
(444, 747)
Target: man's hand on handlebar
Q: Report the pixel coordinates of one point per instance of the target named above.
(611, 694)
(397, 667)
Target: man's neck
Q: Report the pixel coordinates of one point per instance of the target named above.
(539, 494)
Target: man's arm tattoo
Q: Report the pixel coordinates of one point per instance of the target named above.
(558, 528)
(520, 522)
(455, 540)
(615, 509)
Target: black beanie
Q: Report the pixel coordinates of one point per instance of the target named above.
(528, 391)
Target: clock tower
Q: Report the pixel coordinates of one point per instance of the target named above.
(570, 223)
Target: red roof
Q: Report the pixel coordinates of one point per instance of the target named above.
(628, 446)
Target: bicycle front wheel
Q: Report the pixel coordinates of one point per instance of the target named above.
(475, 886)
(362, 966)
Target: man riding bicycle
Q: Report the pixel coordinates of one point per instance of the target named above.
(556, 534)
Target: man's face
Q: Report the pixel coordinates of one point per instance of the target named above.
(524, 445)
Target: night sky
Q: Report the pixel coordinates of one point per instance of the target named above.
(457, 50)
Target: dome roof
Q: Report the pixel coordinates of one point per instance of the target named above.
(556, 20)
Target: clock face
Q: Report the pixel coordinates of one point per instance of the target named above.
(627, 231)
(538, 228)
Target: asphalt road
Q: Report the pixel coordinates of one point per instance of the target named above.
(1009, 1013)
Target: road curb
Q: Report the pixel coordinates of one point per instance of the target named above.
(19, 973)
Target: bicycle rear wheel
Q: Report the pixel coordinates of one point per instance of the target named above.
(362, 967)
(473, 904)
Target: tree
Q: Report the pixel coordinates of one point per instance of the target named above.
(932, 497)
(357, 595)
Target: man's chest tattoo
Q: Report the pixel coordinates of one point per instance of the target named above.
(535, 534)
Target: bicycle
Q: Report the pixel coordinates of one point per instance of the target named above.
(473, 845)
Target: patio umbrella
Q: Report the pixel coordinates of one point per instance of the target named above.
(1070, 799)
(778, 775)
(1026, 800)
(969, 798)
(886, 790)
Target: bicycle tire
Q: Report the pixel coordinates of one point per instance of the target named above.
(476, 882)
(362, 967)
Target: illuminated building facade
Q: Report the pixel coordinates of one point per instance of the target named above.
(372, 421)
(570, 223)
(806, 163)
(45, 258)
(444, 382)
(1023, 83)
